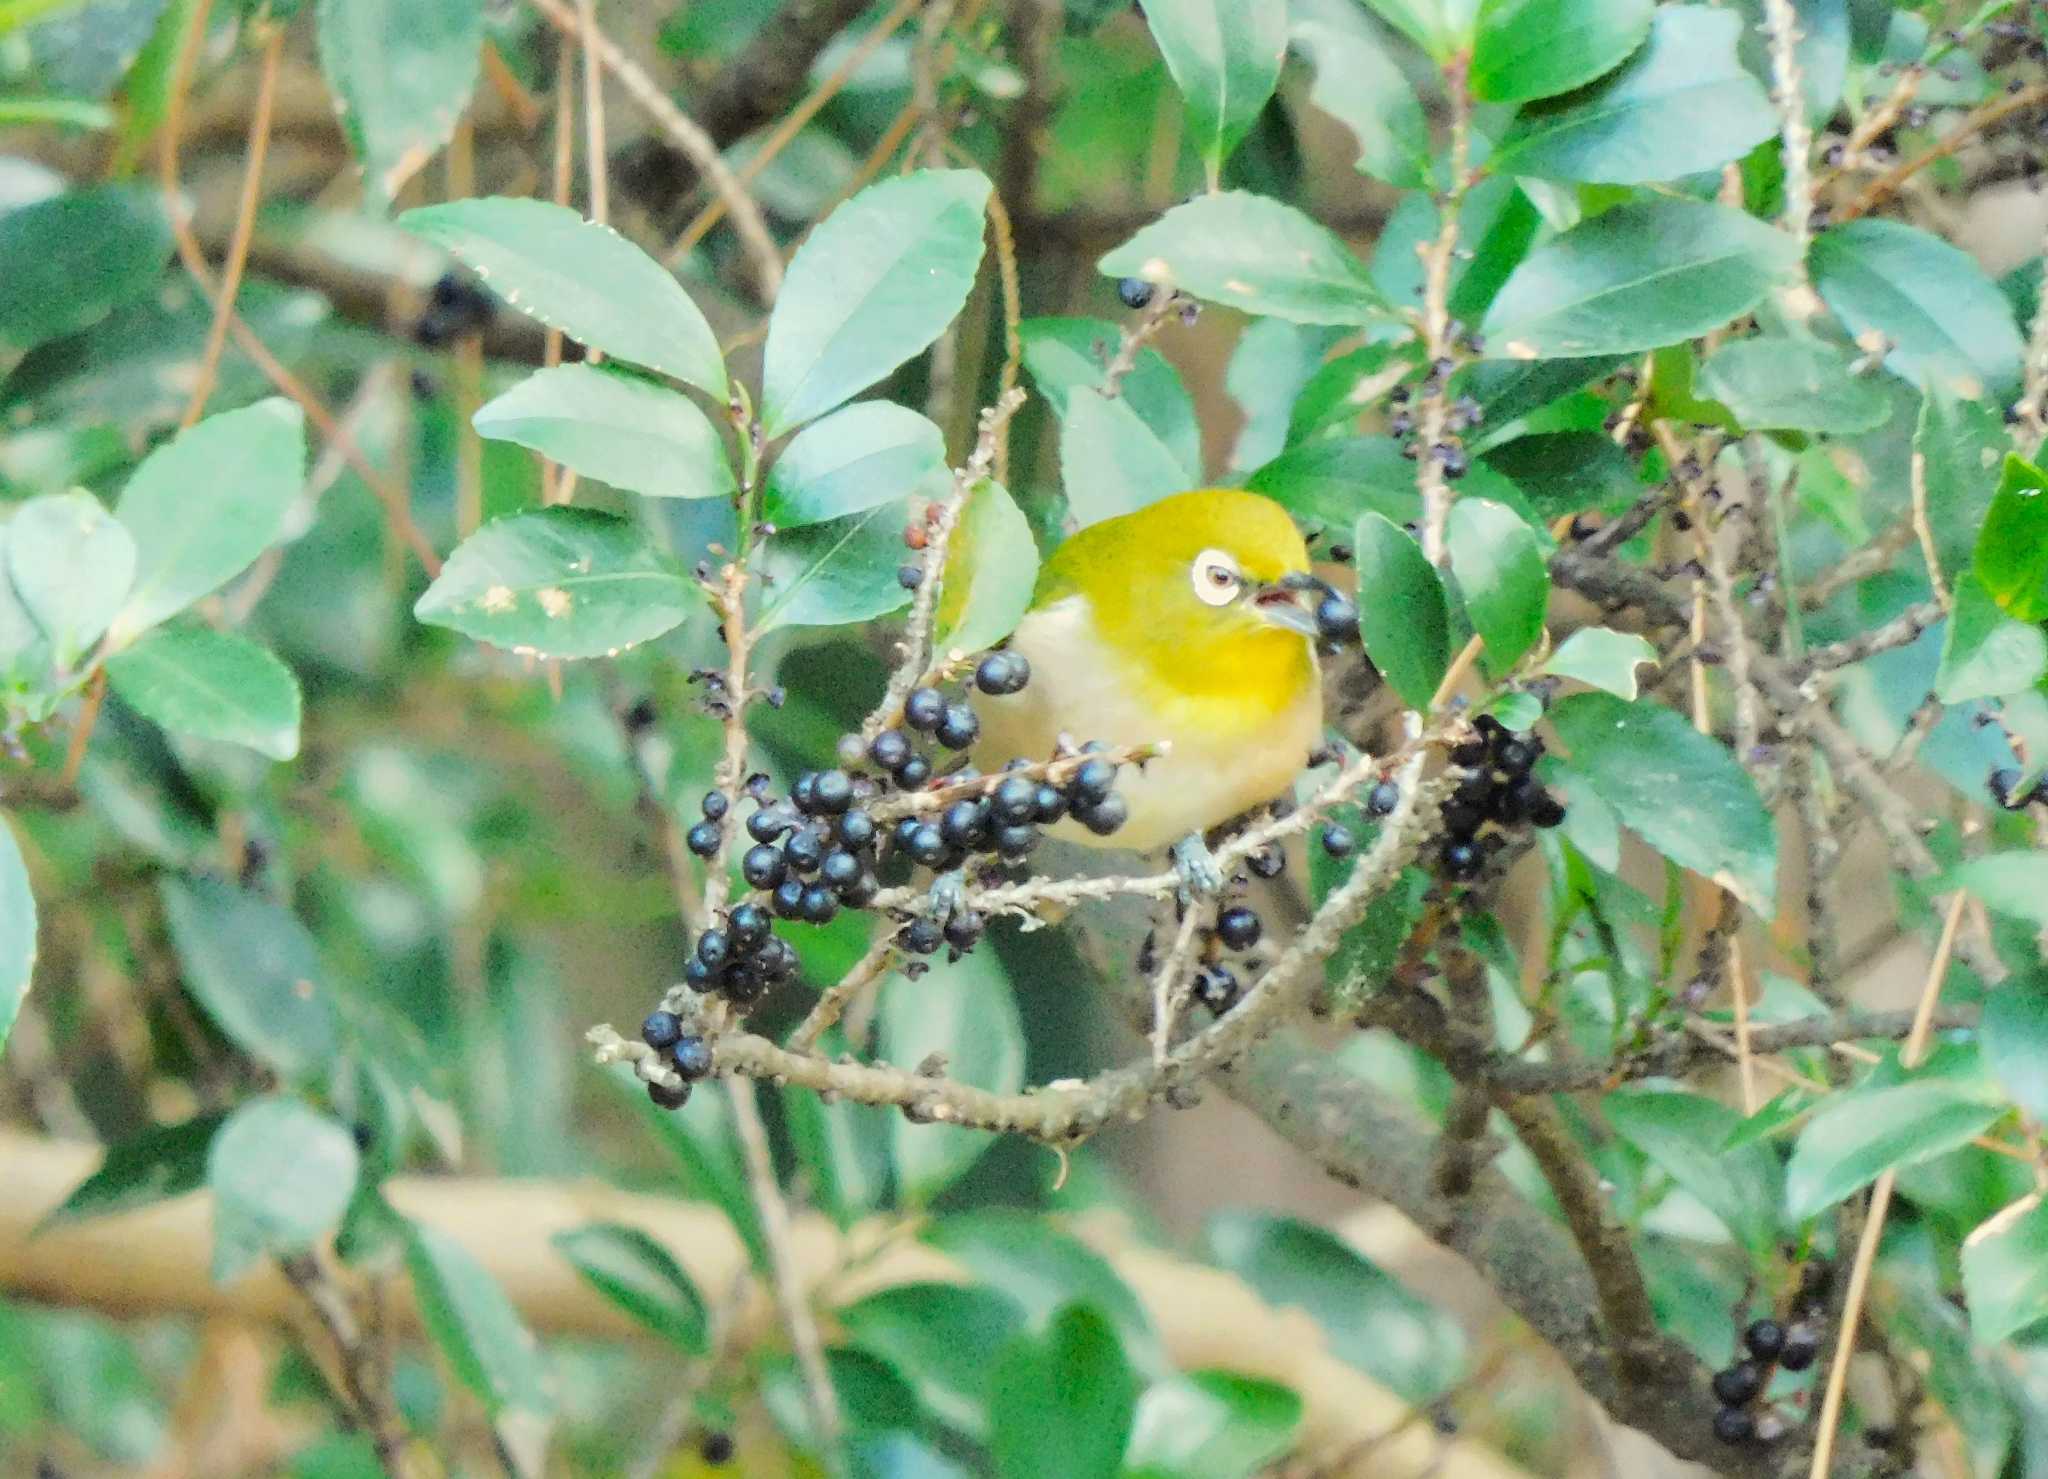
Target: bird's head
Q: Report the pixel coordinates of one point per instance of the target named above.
(1205, 587)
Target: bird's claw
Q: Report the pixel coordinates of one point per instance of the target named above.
(1200, 878)
(947, 896)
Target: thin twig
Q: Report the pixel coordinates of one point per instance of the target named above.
(834, 1000)
(1880, 1202)
(1988, 115)
(362, 1387)
(1170, 981)
(1922, 527)
(1433, 409)
(553, 476)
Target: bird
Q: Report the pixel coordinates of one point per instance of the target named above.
(1183, 621)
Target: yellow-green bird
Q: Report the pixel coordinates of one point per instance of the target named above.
(1183, 622)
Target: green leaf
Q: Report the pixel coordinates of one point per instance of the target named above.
(1503, 576)
(1247, 252)
(1042, 1268)
(2014, 1039)
(211, 685)
(1332, 480)
(582, 278)
(2009, 883)
(863, 455)
(63, 112)
(1060, 1406)
(72, 565)
(1945, 322)
(1404, 616)
(2012, 547)
(615, 427)
(1678, 790)
(641, 1277)
(842, 570)
(1602, 658)
(74, 258)
(484, 1341)
(1681, 105)
(401, 72)
(17, 931)
(1225, 58)
(1372, 1321)
(1963, 444)
(1637, 277)
(1687, 1136)
(1110, 461)
(204, 505)
(1439, 27)
(1364, 89)
(252, 966)
(557, 582)
(1984, 652)
(967, 1011)
(281, 1176)
(1538, 48)
(2005, 1271)
(1064, 355)
(991, 569)
(150, 1166)
(1858, 1135)
(942, 1339)
(1212, 1425)
(1778, 383)
(874, 283)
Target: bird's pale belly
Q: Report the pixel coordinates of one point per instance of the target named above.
(1223, 759)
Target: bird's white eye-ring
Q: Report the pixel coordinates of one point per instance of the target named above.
(1217, 579)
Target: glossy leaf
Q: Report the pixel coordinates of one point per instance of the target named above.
(1364, 89)
(150, 1166)
(1603, 658)
(17, 931)
(281, 1174)
(1212, 1425)
(1563, 473)
(2012, 547)
(1984, 652)
(1856, 1136)
(204, 505)
(1063, 355)
(1961, 445)
(1428, 23)
(579, 277)
(211, 685)
(1528, 49)
(2015, 1039)
(1330, 481)
(401, 72)
(942, 1339)
(1404, 616)
(252, 966)
(1774, 383)
(1686, 1136)
(1061, 1405)
(857, 458)
(615, 427)
(1680, 105)
(1225, 58)
(1371, 1320)
(872, 285)
(842, 570)
(1941, 320)
(1110, 461)
(641, 1277)
(1503, 577)
(74, 258)
(1248, 252)
(967, 1011)
(482, 1338)
(2014, 884)
(2005, 1271)
(72, 565)
(991, 568)
(1636, 277)
(557, 582)
(1678, 790)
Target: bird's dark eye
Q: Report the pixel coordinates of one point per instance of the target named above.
(1216, 578)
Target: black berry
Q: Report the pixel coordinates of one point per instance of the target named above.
(831, 792)
(769, 823)
(1015, 800)
(921, 937)
(1734, 1425)
(1134, 292)
(890, 749)
(910, 577)
(716, 1447)
(1093, 780)
(763, 866)
(715, 804)
(1337, 618)
(915, 772)
(926, 844)
(855, 830)
(1802, 1346)
(712, 947)
(1238, 927)
(747, 925)
(1015, 841)
(819, 904)
(703, 839)
(924, 709)
(805, 849)
(958, 727)
(839, 869)
(1339, 842)
(963, 930)
(1103, 817)
(666, 1098)
(1765, 1339)
(1462, 860)
(1002, 672)
(1382, 799)
(1738, 1385)
(660, 1030)
(693, 1057)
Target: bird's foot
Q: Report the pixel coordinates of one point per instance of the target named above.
(946, 897)
(1200, 878)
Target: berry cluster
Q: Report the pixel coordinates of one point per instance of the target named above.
(688, 1053)
(1497, 792)
(1771, 1347)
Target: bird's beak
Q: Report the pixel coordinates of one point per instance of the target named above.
(1280, 603)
